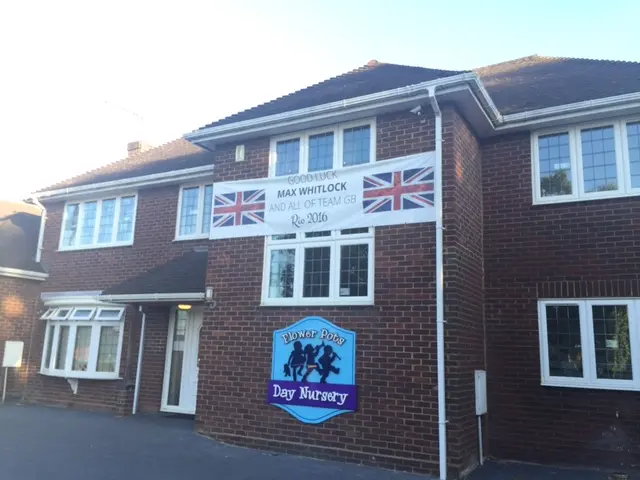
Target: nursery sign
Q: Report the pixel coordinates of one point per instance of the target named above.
(392, 192)
(313, 370)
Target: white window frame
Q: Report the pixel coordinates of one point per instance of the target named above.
(338, 141)
(335, 242)
(58, 314)
(74, 314)
(110, 319)
(114, 234)
(199, 234)
(96, 328)
(623, 165)
(50, 311)
(587, 342)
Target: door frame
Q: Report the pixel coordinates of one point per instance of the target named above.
(196, 310)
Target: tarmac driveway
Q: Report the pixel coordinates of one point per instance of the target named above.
(60, 444)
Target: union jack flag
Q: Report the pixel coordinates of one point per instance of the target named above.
(403, 190)
(239, 208)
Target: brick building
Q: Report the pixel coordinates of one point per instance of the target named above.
(21, 277)
(530, 274)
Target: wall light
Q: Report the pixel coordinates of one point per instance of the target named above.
(208, 294)
(184, 306)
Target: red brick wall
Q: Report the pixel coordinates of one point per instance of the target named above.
(153, 359)
(19, 301)
(464, 286)
(582, 249)
(396, 424)
(98, 269)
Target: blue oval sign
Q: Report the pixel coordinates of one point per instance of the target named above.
(313, 374)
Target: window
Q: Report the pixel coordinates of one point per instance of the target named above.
(324, 149)
(100, 223)
(194, 212)
(587, 162)
(316, 268)
(590, 343)
(83, 342)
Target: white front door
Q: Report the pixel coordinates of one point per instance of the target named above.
(180, 388)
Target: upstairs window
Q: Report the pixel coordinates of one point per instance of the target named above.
(590, 343)
(323, 149)
(83, 342)
(100, 223)
(587, 162)
(319, 268)
(194, 212)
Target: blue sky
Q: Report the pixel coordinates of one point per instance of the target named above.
(80, 80)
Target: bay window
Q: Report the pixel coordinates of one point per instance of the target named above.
(587, 162)
(590, 343)
(99, 223)
(83, 342)
(194, 212)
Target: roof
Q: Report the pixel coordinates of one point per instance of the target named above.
(371, 78)
(535, 82)
(183, 274)
(527, 83)
(19, 229)
(176, 155)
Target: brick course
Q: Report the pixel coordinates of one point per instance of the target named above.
(578, 250)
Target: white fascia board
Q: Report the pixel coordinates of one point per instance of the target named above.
(24, 274)
(365, 104)
(153, 297)
(571, 111)
(173, 176)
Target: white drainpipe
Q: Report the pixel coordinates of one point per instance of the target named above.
(43, 221)
(136, 392)
(442, 410)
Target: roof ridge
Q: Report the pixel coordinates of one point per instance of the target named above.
(551, 58)
(604, 60)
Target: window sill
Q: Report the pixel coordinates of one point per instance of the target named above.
(623, 385)
(81, 375)
(95, 247)
(588, 198)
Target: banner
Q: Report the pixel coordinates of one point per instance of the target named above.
(313, 371)
(388, 192)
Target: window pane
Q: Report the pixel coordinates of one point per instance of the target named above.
(189, 211)
(356, 146)
(125, 223)
(71, 225)
(49, 346)
(108, 349)
(354, 270)
(611, 336)
(320, 152)
(81, 350)
(324, 233)
(354, 231)
(563, 337)
(633, 138)
(82, 314)
(288, 157)
(107, 220)
(177, 357)
(281, 273)
(317, 265)
(554, 163)
(599, 159)
(110, 314)
(206, 210)
(61, 355)
(286, 236)
(89, 212)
